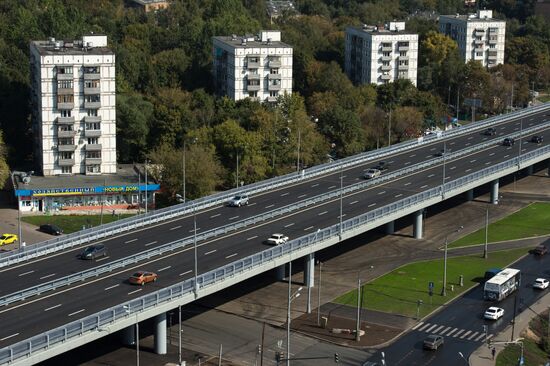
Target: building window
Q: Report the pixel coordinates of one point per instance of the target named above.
(93, 154)
(273, 93)
(65, 128)
(91, 112)
(94, 126)
(274, 71)
(65, 70)
(66, 155)
(93, 169)
(91, 84)
(91, 70)
(65, 113)
(479, 54)
(65, 84)
(253, 94)
(403, 53)
(93, 140)
(65, 98)
(92, 98)
(66, 170)
(66, 141)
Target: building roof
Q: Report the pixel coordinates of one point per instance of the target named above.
(472, 18)
(148, 2)
(383, 30)
(54, 47)
(249, 41)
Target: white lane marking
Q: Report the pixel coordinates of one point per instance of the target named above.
(432, 149)
(252, 237)
(132, 240)
(164, 268)
(314, 185)
(302, 196)
(479, 337)
(285, 194)
(233, 218)
(216, 215)
(431, 175)
(451, 143)
(505, 156)
(426, 325)
(438, 329)
(47, 276)
(424, 186)
(110, 287)
(52, 307)
(379, 193)
(251, 204)
(453, 167)
(77, 312)
(430, 328)
(210, 252)
(417, 325)
(231, 255)
(471, 137)
(193, 230)
(472, 336)
(406, 184)
(407, 163)
(133, 292)
(289, 225)
(487, 163)
(269, 206)
(174, 228)
(398, 195)
(10, 336)
(445, 331)
(102, 259)
(353, 203)
(412, 156)
(467, 170)
(372, 204)
(491, 154)
(331, 187)
(308, 228)
(465, 334)
(186, 272)
(151, 243)
(467, 144)
(390, 162)
(452, 331)
(26, 273)
(459, 332)
(472, 161)
(322, 213)
(490, 336)
(344, 215)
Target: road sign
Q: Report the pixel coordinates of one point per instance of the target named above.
(431, 285)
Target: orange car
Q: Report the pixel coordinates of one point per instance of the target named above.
(142, 277)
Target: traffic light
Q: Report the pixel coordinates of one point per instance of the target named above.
(279, 356)
(336, 357)
(259, 348)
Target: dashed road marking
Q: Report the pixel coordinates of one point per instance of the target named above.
(289, 225)
(308, 228)
(231, 255)
(132, 240)
(151, 243)
(379, 193)
(102, 259)
(110, 287)
(269, 206)
(322, 213)
(210, 252)
(314, 185)
(424, 186)
(372, 204)
(252, 237)
(174, 228)
(302, 196)
(398, 195)
(164, 268)
(431, 175)
(233, 218)
(77, 312)
(26, 273)
(47, 276)
(133, 292)
(52, 307)
(331, 187)
(216, 215)
(353, 203)
(285, 194)
(417, 326)
(186, 272)
(407, 184)
(10, 336)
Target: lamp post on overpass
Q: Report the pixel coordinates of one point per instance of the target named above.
(291, 297)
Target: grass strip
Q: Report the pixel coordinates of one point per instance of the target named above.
(71, 223)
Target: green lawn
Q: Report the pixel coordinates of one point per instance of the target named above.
(398, 291)
(533, 220)
(72, 223)
(533, 355)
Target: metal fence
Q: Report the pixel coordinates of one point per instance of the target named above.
(132, 223)
(245, 266)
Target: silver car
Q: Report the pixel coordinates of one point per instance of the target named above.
(239, 200)
(372, 173)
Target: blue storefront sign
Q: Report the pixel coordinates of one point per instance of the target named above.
(86, 190)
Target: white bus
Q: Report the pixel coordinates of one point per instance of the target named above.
(502, 284)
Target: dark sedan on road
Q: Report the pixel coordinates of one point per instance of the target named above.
(536, 139)
(51, 229)
(433, 342)
(93, 252)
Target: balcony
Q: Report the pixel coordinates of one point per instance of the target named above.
(274, 87)
(65, 91)
(402, 76)
(271, 99)
(92, 133)
(89, 91)
(92, 161)
(274, 64)
(492, 57)
(254, 99)
(66, 148)
(274, 76)
(95, 76)
(91, 119)
(68, 105)
(65, 120)
(66, 134)
(479, 32)
(479, 42)
(253, 87)
(385, 77)
(253, 65)
(92, 147)
(65, 162)
(385, 58)
(403, 67)
(403, 48)
(65, 76)
(253, 76)
(493, 30)
(403, 58)
(92, 105)
(492, 41)
(385, 68)
(386, 48)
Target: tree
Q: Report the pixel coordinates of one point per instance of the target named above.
(4, 168)
(436, 48)
(134, 115)
(342, 127)
(407, 123)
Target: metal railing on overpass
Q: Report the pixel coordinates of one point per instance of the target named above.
(136, 222)
(251, 265)
(233, 227)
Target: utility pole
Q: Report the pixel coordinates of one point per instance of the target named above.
(358, 325)
(319, 296)
(262, 346)
(146, 195)
(485, 250)
(389, 129)
(298, 158)
(457, 100)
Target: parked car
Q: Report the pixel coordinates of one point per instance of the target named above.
(537, 139)
(433, 342)
(8, 239)
(540, 283)
(540, 250)
(51, 229)
(277, 239)
(94, 251)
(508, 141)
(493, 313)
(372, 173)
(382, 165)
(239, 200)
(142, 277)
(491, 131)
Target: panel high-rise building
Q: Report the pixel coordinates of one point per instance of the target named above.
(73, 105)
(255, 67)
(479, 36)
(381, 54)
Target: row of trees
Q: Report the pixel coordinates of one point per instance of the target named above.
(165, 103)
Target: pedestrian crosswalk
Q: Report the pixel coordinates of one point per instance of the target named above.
(449, 331)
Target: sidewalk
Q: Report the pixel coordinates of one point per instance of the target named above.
(482, 356)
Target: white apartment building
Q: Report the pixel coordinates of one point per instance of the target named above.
(479, 36)
(258, 67)
(381, 54)
(73, 97)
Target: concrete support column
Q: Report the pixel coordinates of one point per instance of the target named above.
(160, 334)
(548, 172)
(530, 170)
(390, 227)
(470, 195)
(417, 228)
(280, 272)
(494, 192)
(309, 270)
(128, 335)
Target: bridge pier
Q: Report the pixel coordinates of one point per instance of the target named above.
(417, 226)
(160, 334)
(530, 170)
(280, 272)
(470, 195)
(309, 277)
(128, 335)
(494, 192)
(390, 227)
(548, 172)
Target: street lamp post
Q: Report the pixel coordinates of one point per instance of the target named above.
(319, 296)
(341, 199)
(195, 250)
(485, 249)
(444, 289)
(298, 155)
(418, 303)
(358, 325)
(20, 232)
(146, 183)
(179, 335)
(291, 297)
(443, 180)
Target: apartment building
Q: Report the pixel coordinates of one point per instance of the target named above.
(255, 67)
(73, 106)
(479, 36)
(151, 5)
(381, 54)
